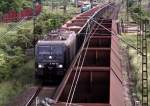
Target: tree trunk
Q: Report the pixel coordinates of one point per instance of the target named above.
(65, 6)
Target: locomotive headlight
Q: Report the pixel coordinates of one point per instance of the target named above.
(50, 57)
(40, 66)
(60, 66)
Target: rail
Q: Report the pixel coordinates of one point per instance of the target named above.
(33, 97)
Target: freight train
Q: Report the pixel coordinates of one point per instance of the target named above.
(54, 54)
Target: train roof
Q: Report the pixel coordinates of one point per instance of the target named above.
(58, 37)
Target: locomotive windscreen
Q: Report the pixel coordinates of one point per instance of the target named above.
(43, 50)
(50, 50)
(50, 53)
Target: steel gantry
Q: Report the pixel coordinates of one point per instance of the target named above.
(127, 11)
(142, 48)
(144, 66)
(139, 31)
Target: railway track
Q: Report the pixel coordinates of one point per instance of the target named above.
(95, 73)
(33, 97)
(38, 97)
(81, 21)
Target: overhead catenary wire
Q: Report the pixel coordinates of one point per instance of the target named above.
(79, 59)
(117, 35)
(82, 64)
(62, 85)
(85, 41)
(75, 72)
(79, 74)
(73, 104)
(72, 66)
(50, 102)
(14, 27)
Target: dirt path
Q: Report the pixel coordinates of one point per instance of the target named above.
(128, 82)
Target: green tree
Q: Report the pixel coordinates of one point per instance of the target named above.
(138, 13)
(17, 5)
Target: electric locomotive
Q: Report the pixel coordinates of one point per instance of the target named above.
(54, 54)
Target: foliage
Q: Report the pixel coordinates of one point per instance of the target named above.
(25, 74)
(14, 45)
(131, 2)
(140, 15)
(8, 89)
(135, 62)
(49, 21)
(9, 63)
(12, 55)
(16, 71)
(4, 6)
(137, 14)
(17, 5)
(15, 66)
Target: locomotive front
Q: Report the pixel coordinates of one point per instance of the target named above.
(50, 56)
(54, 54)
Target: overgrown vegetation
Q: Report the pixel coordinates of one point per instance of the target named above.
(137, 14)
(16, 67)
(50, 21)
(17, 5)
(13, 45)
(12, 49)
(136, 65)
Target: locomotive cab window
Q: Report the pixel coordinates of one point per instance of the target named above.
(43, 50)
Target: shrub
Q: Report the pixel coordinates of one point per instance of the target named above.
(50, 21)
(17, 5)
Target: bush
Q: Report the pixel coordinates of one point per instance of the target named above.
(12, 52)
(8, 90)
(50, 21)
(138, 14)
(17, 5)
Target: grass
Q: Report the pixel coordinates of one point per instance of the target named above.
(3, 27)
(136, 62)
(20, 81)
(6, 90)
(23, 76)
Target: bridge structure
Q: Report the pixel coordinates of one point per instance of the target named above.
(94, 78)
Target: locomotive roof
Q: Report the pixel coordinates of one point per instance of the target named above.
(61, 37)
(58, 35)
